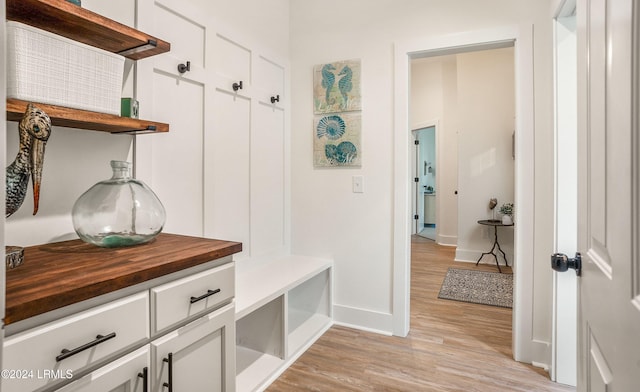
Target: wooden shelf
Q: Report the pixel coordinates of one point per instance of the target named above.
(254, 368)
(309, 327)
(84, 119)
(79, 24)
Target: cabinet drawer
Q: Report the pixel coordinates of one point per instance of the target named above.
(177, 301)
(41, 350)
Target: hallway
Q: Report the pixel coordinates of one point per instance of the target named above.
(452, 346)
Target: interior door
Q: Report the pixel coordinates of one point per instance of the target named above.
(608, 173)
(418, 190)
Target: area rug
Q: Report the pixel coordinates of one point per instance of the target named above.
(478, 287)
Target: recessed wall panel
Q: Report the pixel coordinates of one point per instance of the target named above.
(177, 155)
(187, 37)
(232, 60)
(267, 180)
(269, 76)
(227, 170)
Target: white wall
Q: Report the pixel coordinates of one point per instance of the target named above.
(447, 199)
(486, 110)
(356, 229)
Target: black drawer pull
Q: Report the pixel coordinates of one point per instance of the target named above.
(169, 361)
(99, 339)
(208, 294)
(145, 378)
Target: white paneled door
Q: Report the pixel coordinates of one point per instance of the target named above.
(608, 198)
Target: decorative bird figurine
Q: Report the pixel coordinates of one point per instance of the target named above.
(345, 84)
(328, 79)
(34, 128)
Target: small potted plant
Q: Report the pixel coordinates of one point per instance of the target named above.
(507, 211)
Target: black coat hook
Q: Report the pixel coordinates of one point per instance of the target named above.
(237, 86)
(275, 99)
(184, 68)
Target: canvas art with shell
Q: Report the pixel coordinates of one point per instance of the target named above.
(336, 140)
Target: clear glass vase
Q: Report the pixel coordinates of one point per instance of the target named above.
(118, 212)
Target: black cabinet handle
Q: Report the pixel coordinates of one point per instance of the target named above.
(145, 376)
(169, 361)
(208, 294)
(275, 99)
(237, 86)
(99, 339)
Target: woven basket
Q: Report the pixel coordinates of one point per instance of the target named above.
(47, 68)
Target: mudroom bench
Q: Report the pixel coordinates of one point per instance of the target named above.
(282, 307)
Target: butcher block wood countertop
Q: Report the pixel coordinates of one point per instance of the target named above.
(63, 273)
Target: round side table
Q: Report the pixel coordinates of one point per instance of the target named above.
(495, 223)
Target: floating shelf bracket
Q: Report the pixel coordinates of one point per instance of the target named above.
(149, 129)
(151, 44)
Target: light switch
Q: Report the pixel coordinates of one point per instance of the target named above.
(358, 184)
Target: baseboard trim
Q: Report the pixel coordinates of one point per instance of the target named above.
(541, 354)
(363, 319)
(447, 240)
(467, 255)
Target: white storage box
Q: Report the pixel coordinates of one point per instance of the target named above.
(47, 68)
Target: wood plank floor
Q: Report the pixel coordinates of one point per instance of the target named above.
(452, 346)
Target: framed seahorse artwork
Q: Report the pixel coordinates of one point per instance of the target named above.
(336, 87)
(336, 140)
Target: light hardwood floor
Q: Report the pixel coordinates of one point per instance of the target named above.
(452, 346)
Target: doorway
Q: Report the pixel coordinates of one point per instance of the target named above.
(521, 37)
(425, 180)
(472, 96)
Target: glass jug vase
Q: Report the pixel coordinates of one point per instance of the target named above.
(118, 212)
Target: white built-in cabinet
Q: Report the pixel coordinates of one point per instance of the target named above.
(223, 170)
(191, 358)
(196, 357)
(176, 336)
(282, 307)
